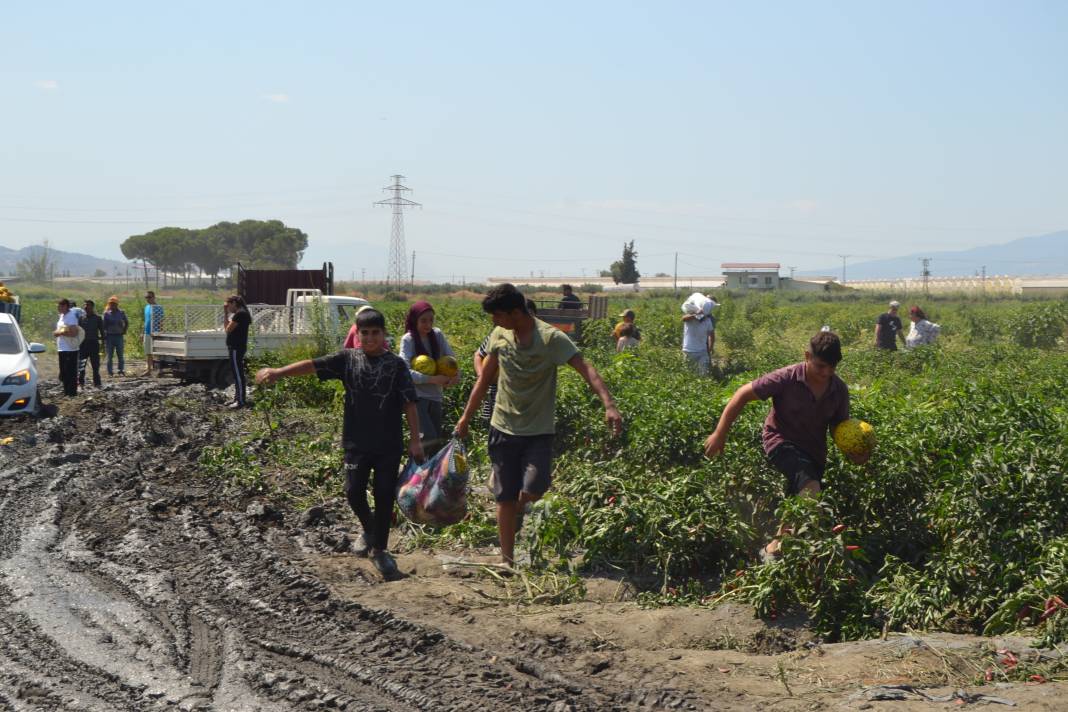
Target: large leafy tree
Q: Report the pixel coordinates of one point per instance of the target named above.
(254, 243)
(269, 243)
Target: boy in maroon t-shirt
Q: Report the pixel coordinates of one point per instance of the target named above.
(807, 398)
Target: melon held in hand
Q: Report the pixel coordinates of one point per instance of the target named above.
(424, 365)
(447, 366)
(854, 437)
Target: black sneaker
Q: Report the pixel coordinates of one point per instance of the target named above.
(386, 566)
(361, 547)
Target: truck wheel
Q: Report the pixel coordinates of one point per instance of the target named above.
(221, 375)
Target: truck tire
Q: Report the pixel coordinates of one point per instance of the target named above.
(221, 375)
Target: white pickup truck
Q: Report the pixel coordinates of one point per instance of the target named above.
(191, 340)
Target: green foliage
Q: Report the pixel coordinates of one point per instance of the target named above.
(255, 243)
(957, 522)
(1040, 325)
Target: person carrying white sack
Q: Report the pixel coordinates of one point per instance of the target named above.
(698, 331)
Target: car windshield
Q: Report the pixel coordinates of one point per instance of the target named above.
(10, 343)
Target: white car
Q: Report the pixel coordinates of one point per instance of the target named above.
(19, 392)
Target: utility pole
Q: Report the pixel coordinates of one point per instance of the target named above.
(675, 281)
(926, 274)
(412, 283)
(395, 273)
(984, 281)
(844, 258)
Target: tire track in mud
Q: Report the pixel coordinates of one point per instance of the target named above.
(126, 583)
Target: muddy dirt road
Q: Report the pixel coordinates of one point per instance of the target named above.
(128, 582)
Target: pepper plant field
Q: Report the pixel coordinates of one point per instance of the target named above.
(959, 521)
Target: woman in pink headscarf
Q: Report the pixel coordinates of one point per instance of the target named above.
(422, 338)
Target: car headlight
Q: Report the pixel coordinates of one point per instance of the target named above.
(18, 378)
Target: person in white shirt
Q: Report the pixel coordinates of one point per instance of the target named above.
(67, 344)
(699, 333)
(922, 331)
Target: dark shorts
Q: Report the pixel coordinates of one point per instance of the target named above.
(521, 463)
(798, 468)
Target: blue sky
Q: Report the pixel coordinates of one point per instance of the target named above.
(540, 137)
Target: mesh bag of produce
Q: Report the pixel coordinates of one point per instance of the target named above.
(435, 492)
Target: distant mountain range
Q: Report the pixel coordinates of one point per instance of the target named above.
(1044, 254)
(74, 263)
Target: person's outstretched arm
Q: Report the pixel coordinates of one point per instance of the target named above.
(590, 375)
(715, 442)
(270, 375)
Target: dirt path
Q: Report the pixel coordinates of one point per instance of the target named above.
(128, 583)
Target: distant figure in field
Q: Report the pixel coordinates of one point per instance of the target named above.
(569, 300)
(922, 331)
(238, 321)
(89, 351)
(628, 338)
(67, 342)
(888, 328)
(115, 326)
(699, 331)
(153, 321)
(628, 319)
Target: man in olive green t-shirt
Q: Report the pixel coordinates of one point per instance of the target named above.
(527, 353)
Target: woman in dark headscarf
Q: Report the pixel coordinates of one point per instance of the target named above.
(422, 344)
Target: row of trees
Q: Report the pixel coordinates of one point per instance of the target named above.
(260, 244)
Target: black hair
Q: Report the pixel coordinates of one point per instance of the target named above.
(369, 319)
(64, 303)
(918, 313)
(532, 308)
(239, 301)
(504, 298)
(567, 288)
(827, 347)
(90, 302)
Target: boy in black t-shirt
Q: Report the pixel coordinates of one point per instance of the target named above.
(378, 387)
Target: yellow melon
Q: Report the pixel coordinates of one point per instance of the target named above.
(424, 365)
(447, 366)
(854, 437)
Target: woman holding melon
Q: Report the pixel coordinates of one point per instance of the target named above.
(433, 366)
